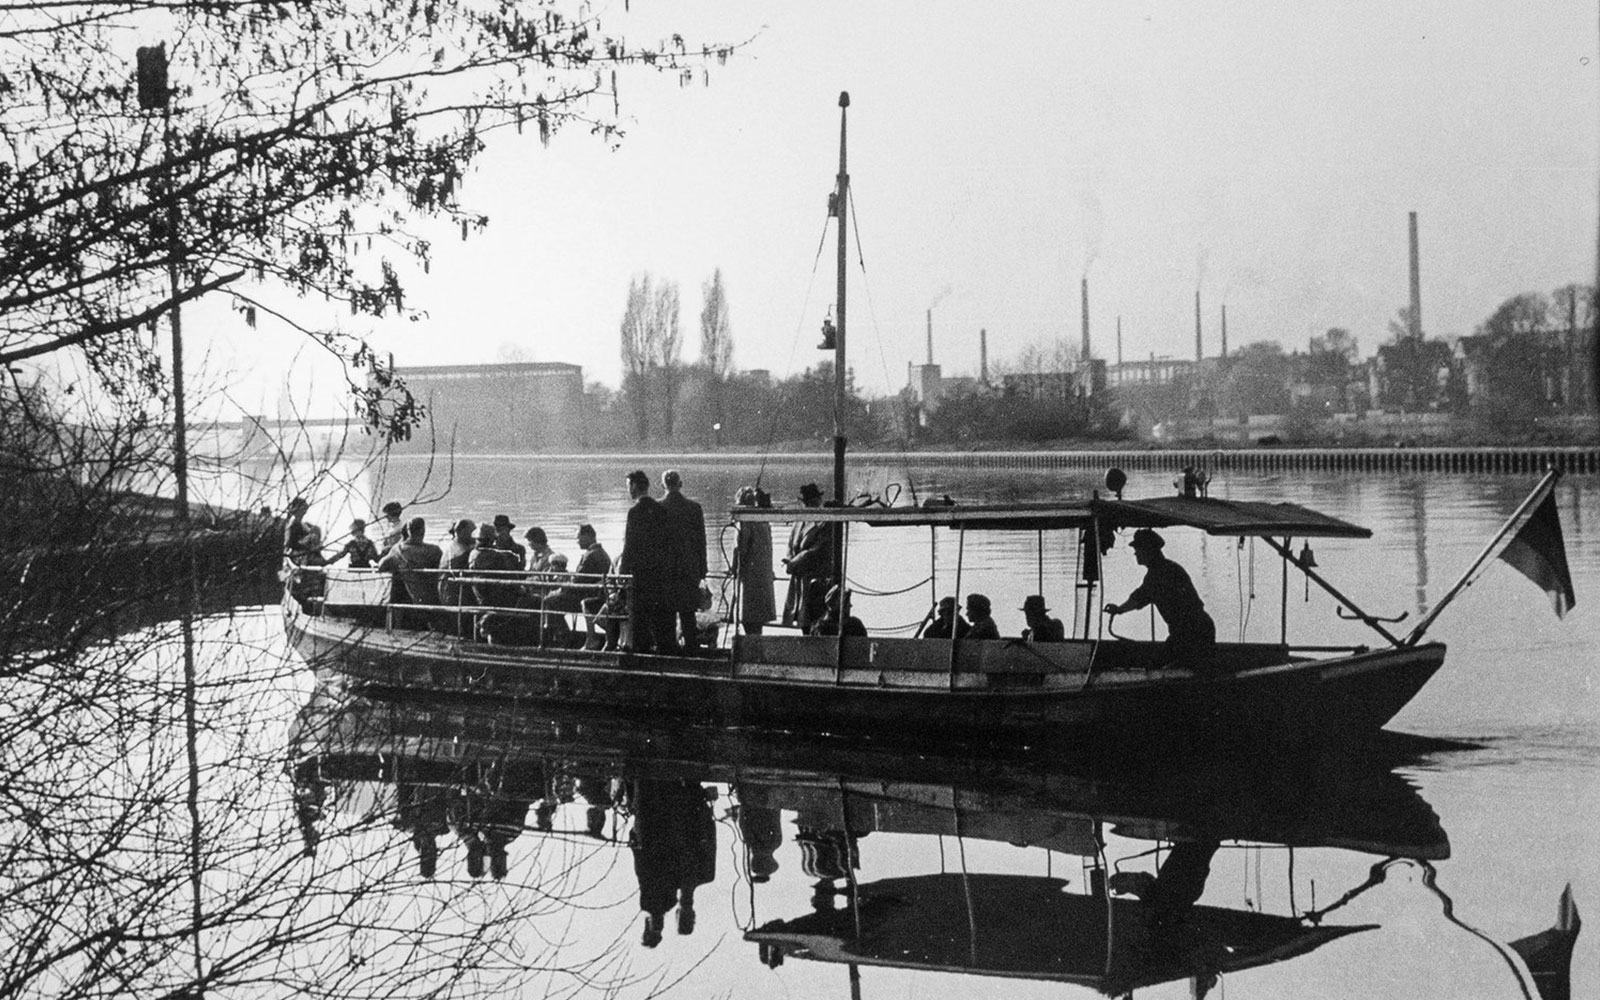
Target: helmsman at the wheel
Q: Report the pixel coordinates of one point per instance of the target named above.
(1191, 634)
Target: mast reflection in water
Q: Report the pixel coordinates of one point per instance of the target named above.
(1107, 868)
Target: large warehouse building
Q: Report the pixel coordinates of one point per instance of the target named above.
(505, 408)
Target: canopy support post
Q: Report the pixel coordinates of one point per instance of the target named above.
(1283, 598)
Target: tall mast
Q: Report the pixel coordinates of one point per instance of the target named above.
(842, 196)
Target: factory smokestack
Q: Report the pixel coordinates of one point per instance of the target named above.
(1085, 287)
(983, 356)
(1119, 341)
(930, 335)
(1198, 345)
(1224, 330)
(1416, 283)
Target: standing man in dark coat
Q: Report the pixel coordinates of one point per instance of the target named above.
(648, 556)
(1191, 634)
(689, 532)
(809, 564)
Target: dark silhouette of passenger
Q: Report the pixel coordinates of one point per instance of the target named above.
(674, 842)
(980, 616)
(828, 624)
(946, 623)
(648, 555)
(1041, 627)
(688, 530)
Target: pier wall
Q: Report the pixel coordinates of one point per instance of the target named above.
(1573, 460)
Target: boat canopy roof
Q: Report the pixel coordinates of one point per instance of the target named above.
(1213, 516)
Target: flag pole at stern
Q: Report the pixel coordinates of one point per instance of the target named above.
(1536, 550)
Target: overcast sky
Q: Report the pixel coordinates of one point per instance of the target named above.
(1265, 153)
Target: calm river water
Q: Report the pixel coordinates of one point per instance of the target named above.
(966, 869)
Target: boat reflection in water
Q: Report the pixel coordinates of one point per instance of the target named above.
(1146, 843)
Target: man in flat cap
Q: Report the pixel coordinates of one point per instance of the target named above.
(1191, 634)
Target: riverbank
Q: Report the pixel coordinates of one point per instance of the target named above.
(1572, 460)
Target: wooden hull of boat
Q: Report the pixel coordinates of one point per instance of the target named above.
(1290, 702)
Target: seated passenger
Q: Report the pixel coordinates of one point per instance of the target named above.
(489, 561)
(979, 615)
(539, 550)
(946, 624)
(411, 562)
(828, 624)
(504, 540)
(586, 594)
(610, 619)
(463, 538)
(1041, 627)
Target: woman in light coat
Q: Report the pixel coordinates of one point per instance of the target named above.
(752, 566)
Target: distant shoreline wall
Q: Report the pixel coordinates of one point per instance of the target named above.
(1573, 460)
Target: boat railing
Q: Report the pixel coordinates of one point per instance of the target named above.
(600, 600)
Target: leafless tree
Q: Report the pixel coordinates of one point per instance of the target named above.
(640, 355)
(716, 331)
(667, 331)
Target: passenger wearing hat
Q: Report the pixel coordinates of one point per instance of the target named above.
(1041, 627)
(394, 532)
(506, 542)
(359, 548)
(980, 615)
(1191, 633)
(809, 565)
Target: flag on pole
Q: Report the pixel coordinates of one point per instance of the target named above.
(1538, 553)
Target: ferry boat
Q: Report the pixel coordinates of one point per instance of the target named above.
(1092, 689)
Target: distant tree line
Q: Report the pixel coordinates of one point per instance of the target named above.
(1533, 356)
